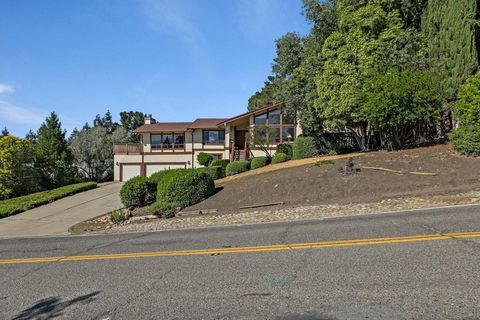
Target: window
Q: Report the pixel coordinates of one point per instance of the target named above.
(261, 118)
(274, 116)
(274, 134)
(274, 127)
(217, 156)
(288, 134)
(156, 141)
(213, 137)
(167, 141)
(179, 140)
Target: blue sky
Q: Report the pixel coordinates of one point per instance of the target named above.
(175, 59)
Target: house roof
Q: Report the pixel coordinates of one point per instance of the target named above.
(206, 123)
(202, 123)
(247, 114)
(163, 127)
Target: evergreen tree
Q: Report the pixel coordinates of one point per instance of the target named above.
(53, 158)
(451, 29)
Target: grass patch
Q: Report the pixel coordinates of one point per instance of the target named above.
(20, 204)
(119, 215)
(324, 162)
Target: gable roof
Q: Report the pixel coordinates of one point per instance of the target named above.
(206, 123)
(248, 114)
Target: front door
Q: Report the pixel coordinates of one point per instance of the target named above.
(240, 137)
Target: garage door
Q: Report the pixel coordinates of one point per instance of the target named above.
(129, 171)
(152, 168)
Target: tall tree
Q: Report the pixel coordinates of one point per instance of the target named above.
(106, 122)
(451, 28)
(53, 158)
(372, 36)
(92, 149)
(16, 175)
(288, 50)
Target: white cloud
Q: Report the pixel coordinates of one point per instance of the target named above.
(21, 115)
(6, 88)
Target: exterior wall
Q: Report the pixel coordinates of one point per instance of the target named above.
(169, 158)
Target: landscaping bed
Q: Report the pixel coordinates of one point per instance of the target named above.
(319, 189)
(20, 204)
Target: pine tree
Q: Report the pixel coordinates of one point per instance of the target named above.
(451, 29)
(53, 158)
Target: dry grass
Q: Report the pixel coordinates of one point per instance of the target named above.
(286, 165)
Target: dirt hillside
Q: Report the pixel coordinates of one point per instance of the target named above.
(322, 183)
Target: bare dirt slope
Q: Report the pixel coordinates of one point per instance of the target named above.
(318, 184)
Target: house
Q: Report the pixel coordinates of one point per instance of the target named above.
(170, 145)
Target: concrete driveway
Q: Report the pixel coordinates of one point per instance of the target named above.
(55, 218)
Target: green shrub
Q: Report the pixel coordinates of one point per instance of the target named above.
(204, 158)
(223, 163)
(237, 167)
(285, 148)
(16, 205)
(119, 215)
(466, 140)
(258, 162)
(304, 147)
(168, 176)
(160, 175)
(187, 189)
(280, 157)
(137, 192)
(163, 208)
(216, 172)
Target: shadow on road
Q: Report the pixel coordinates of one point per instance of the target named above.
(52, 307)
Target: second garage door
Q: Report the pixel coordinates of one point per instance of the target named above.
(129, 171)
(152, 168)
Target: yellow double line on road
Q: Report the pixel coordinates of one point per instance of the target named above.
(251, 249)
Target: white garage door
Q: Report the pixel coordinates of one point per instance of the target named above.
(129, 171)
(152, 168)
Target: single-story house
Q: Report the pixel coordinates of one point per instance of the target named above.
(170, 145)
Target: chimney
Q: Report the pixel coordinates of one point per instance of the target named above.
(149, 119)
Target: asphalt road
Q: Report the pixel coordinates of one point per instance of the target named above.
(252, 274)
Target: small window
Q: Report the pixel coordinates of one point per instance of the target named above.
(213, 137)
(274, 116)
(288, 134)
(261, 118)
(274, 135)
(167, 141)
(179, 140)
(156, 141)
(217, 156)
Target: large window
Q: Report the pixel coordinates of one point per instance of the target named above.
(274, 127)
(167, 141)
(214, 137)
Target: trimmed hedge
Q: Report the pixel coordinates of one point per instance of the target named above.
(280, 157)
(237, 167)
(304, 147)
(223, 163)
(186, 189)
(285, 148)
(160, 175)
(204, 159)
(216, 172)
(20, 204)
(259, 162)
(137, 192)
